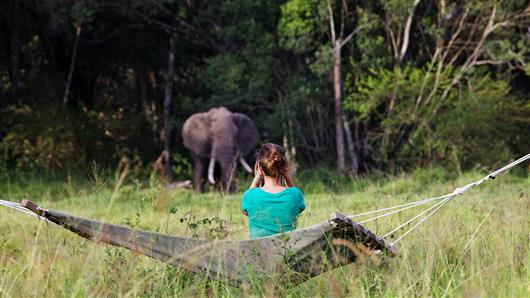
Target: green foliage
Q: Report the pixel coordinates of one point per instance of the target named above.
(301, 23)
(56, 138)
(182, 167)
(43, 138)
(472, 125)
(213, 227)
(476, 126)
(232, 69)
(242, 76)
(326, 179)
(273, 61)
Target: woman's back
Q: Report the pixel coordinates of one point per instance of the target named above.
(272, 213)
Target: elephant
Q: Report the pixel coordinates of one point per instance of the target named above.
(220, 137)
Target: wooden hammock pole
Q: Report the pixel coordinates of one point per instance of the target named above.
(32, 206)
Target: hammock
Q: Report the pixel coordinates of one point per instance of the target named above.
(306, 252)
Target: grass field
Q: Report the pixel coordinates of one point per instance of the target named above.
(478, 245)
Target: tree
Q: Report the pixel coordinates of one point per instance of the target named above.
(400, 101)
(168, 99)
(309, 21)
(72, 65)
(338, 41)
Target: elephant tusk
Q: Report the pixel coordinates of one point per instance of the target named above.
(210, 171)
(245, 164)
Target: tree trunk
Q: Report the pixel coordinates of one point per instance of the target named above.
(337, 82)
(351, 147)
(72, 65)
(14, 43)
(168, 97)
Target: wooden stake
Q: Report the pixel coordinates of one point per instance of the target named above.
(32, 206)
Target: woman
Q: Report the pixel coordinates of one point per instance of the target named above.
(270, 206)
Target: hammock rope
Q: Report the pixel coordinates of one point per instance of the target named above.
(419, 203)
(18, 207)
(441, 204)
(412, 204)
(457, 192)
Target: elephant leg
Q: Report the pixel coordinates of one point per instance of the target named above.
(199, 175)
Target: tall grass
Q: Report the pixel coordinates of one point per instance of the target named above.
(478, 245)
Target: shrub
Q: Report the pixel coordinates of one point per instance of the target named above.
(478, 123)
(43, 138)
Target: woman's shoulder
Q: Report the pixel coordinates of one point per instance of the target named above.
(250, 191)
(297, 197)
(295, 189)
(257, 191)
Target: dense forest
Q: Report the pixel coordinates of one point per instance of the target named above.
(359, 86)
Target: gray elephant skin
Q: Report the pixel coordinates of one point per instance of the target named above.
(219, 137)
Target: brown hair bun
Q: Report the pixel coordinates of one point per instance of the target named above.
(272, 160)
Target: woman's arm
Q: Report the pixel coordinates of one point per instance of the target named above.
(256, 182)
(258, 174)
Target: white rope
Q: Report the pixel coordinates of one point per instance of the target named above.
(18, 207)
(415, 217)
(425, 218)
(491, 175)
(412, 204)
(402, 209)
(457, 192)
(509, 166)
(448, 197)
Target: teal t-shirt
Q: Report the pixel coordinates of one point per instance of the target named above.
(272, 213)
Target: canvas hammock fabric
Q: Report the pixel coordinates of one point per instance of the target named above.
(305, 252)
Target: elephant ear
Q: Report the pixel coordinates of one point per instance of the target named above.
(247, 136)
(195, 134)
